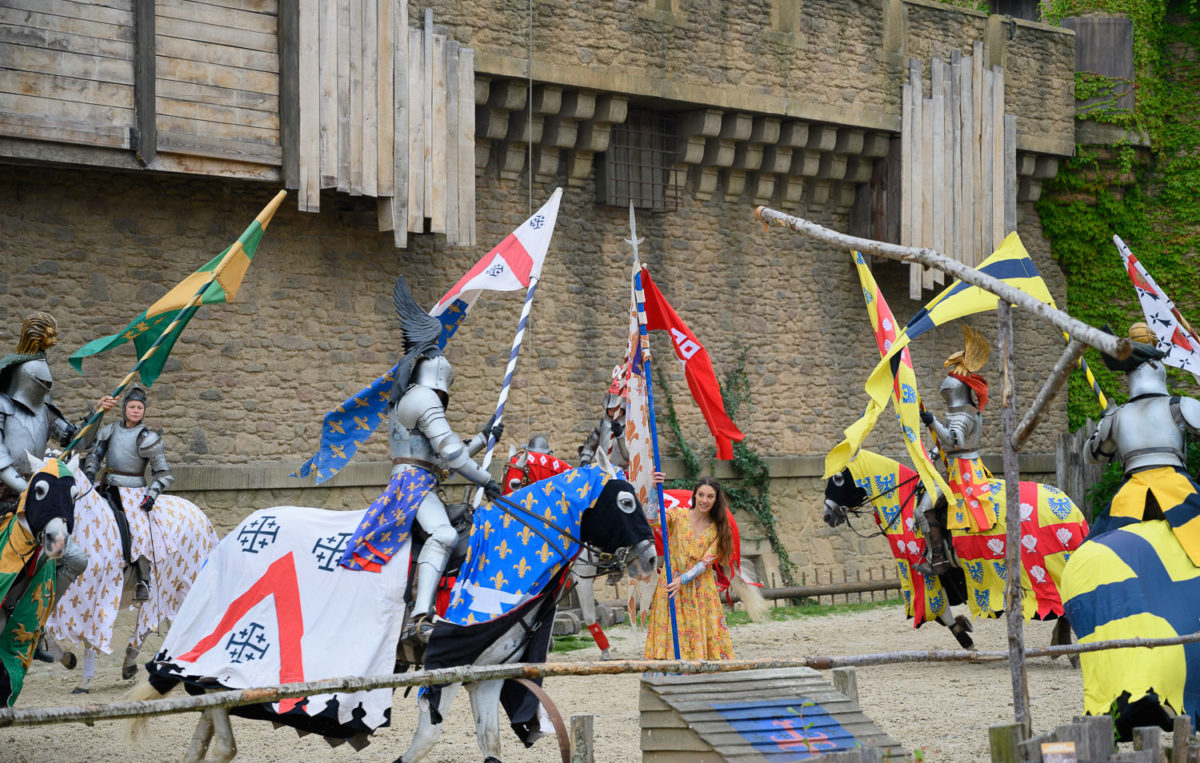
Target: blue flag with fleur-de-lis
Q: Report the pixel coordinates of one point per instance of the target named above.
(513, 555)
(348, 426)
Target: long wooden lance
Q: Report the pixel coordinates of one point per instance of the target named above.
(263, 219)
(1117, 347)
(644, 340)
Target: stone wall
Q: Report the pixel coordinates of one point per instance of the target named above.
(248, 383)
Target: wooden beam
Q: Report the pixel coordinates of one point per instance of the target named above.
(1118, 347)
(289, 92)
(144, 75)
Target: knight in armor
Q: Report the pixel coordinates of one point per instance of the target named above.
(535, 462)
(965, 393)
(608, 434)
(1148, 434)
(127, 449)
(424, 451)
(28, 419)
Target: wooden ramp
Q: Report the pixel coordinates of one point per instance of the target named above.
(754, 715)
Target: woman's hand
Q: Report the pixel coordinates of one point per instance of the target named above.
(658, 478)
(106, 403)
(673, 587)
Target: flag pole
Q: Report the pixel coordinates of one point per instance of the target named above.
(644, 339)
(508, 374)
(263, 219)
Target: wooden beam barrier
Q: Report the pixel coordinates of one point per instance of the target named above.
(1118, 347)
(474, 673)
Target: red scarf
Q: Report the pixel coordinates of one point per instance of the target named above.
(977, 384)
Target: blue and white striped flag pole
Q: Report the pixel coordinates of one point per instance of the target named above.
(508, 374)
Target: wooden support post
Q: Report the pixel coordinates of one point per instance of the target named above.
(1012, 556)
(845, 680)
(1147, 738)
(1005, 740)
(581, 739)
(1180, 733)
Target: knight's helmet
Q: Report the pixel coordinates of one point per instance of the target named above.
(434, 372)
(1143, 368)
(538, 444)
(615, 396)
(136, 392)
(962, 378)
(29, 383)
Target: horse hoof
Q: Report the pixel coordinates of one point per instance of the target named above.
(80, 690)
(68, 660)
(128, 671)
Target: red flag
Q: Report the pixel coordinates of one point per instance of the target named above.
(697, 367)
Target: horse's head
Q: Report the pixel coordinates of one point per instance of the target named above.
(841, 493)
(616, 525)
(48, 506)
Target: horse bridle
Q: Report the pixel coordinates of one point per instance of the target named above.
(870, 499)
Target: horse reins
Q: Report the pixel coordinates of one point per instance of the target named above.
(870, 499)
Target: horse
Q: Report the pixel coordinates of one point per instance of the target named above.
(176, 536)
(1052, 527)
(31, 538)
(1136, 581)
(272, 605)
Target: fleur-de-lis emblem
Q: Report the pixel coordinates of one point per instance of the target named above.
(336, 426)
(525, 534)
(522, 568)
(503, 550)
(498, 579)
(544, 552)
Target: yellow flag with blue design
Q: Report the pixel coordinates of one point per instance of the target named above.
(1010, 264)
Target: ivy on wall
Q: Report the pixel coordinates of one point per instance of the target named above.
(1151, 199)
(751, 493)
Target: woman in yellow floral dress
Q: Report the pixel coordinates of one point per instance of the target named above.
(699, 538)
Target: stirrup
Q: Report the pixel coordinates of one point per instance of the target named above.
(142, 591)
(419, 629)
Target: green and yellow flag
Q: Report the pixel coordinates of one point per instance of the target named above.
(216, 282)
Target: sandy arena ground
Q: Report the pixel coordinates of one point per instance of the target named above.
(943, 709)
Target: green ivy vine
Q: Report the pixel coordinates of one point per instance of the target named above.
(752, 491)
(1150, 198)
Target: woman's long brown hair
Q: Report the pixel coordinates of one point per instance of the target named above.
(720, 518)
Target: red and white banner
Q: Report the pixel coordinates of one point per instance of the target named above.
(1175, 337)
(697, 367)
(512, 263)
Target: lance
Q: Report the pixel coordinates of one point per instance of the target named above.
(644, 343)
(184, 315)
(519, 337)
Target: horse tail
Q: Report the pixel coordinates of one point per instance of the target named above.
(752, 598)
(135, 728)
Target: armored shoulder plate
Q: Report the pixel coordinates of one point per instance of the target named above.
(148, 438)
(105, 432)
(6, 405)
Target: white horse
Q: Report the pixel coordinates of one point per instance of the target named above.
(274, 606)
(175, 536)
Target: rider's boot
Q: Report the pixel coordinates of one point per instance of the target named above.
(936, 544)
(430, 565)
(141, 569)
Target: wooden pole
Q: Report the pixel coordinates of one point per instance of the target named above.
(1012, 553)
(1050, 388)
(474, 673)
(1118, 347)
(582, 750)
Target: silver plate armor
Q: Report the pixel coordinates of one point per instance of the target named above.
(960, 433)
(1145, 433)
(27, 421)
(602, 439)
(418, 429)
(128, 451)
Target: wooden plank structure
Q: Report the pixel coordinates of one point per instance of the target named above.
(317, 93)
(958, 163)
(387, 111)
(753, 715)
